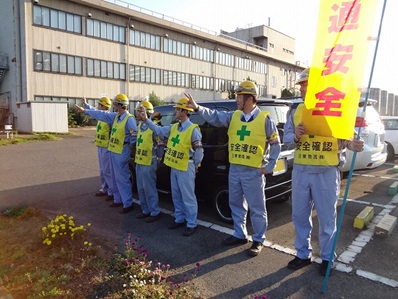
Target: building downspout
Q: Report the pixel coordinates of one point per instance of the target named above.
(18, 56)
(128, 58)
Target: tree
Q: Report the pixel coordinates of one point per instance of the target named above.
(231, 94)
(155, 100)
(286, 93)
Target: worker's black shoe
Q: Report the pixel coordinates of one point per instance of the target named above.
(324, 268)
(142, 215)
(151, 219)
(175, 225)
(100, 193)
(126, 210)
(255, 249)
(298, 263)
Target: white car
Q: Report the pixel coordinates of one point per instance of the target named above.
(372, 132)
(391, 139)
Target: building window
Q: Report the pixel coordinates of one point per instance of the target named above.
(274, 82)
(144, 74)
(225, 59)
(220, 85)
(62, 64)
(144, 40)
(54, 63)
(175, 79)
(262, 90)
(106, 31)
(176, 47)
(49, 17)
(105, 69)
(202, 54)
(57, 63)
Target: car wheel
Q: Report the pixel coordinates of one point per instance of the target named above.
(390, 152)
(221, 204)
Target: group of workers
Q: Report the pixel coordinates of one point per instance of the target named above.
(252, 155)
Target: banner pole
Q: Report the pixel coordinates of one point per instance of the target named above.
(325, 281)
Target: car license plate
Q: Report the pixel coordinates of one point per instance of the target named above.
(280, 167)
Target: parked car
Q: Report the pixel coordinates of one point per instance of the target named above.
(391, 137)
(372, 132)
(212, 179)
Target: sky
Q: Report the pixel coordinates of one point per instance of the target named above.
(297, 19)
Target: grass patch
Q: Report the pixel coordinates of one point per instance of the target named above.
(31, 138)
(73, 266)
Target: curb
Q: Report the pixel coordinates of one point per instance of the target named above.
(364, 218)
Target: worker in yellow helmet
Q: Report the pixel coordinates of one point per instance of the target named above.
(123, 136)
(315, 183)
(251, 132)
(147, 156)
(183, 155)
(101, 141)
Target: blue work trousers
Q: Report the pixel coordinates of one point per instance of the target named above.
(146, 185)
(320, 190)
(122, 190)
(183, 195)
(105, 170)
(246, 191)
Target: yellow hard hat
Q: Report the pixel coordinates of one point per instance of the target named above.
(121, 99)
(303, 76)
(247, 87)
(182, 104)
(105, 101)
(148, 106)
(156, 117)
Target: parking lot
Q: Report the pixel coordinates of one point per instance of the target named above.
(62, 176)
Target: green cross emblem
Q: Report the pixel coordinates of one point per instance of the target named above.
(176, 140)
(99, 127)
(139, 140)
(113, 130)
(243, 133)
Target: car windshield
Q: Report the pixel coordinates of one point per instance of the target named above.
(277, 113)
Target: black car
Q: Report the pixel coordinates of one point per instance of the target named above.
(212, 177)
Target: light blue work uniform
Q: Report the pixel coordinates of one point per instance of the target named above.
(313, 186)
(183, 182)
(121, 183)
(146, 178)
(245, 183)
(104, 161)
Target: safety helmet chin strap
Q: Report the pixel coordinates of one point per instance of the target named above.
(245, 98)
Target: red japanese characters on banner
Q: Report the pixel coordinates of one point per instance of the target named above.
(337, 67)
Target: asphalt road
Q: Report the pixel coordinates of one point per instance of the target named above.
(62, 177)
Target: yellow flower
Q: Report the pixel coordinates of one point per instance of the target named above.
(88, 224)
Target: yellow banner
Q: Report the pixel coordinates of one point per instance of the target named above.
(337, 69)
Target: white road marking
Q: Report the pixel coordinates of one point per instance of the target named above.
(343, 260)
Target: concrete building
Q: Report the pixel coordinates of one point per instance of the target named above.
(60, 50)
